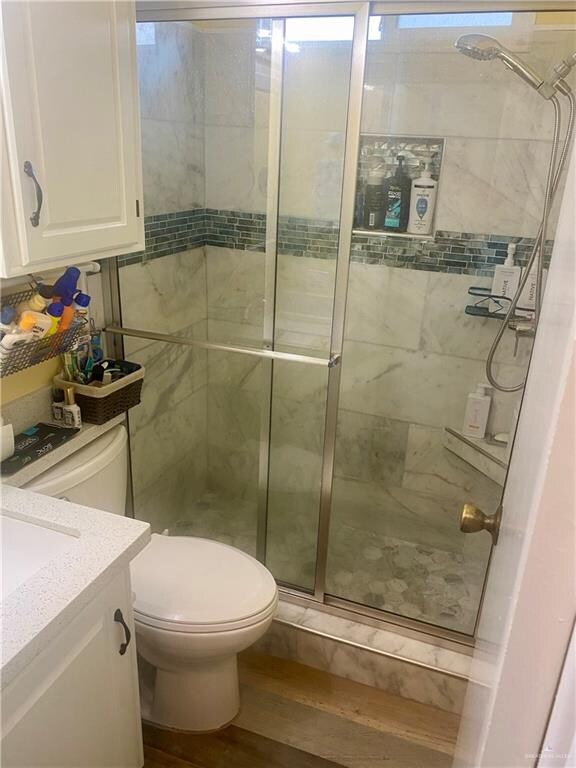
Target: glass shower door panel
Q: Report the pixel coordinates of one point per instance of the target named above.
(195, 439)
(298, 417)
(204, 95)
(411, 354)
(315, 89)
(195, 442)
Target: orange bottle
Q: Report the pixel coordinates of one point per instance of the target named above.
(67, 317)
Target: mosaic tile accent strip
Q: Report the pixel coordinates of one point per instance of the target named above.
(306, 237)
(235, 229)
(169, 233)
(452, 252)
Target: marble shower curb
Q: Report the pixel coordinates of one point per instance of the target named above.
(408, 667)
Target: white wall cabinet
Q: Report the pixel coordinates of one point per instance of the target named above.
(71, 117)
(76, 705)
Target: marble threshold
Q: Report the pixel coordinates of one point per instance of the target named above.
(425, 651)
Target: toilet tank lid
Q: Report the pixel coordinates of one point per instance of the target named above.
(187, 580)
(82, 464)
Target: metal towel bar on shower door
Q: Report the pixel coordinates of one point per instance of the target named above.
(267, 354)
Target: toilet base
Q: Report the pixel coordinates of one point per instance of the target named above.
(203, 697)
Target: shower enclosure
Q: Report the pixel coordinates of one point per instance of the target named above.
(306, 379)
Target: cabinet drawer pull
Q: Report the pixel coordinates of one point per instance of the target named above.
(120, 619)
(29, 171)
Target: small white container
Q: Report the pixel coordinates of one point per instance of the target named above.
(71, 415)
(6, 440)
(477, 412)
(15, 339)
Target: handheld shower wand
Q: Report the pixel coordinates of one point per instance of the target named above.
(486, 48)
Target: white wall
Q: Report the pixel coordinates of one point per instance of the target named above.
(530, 600)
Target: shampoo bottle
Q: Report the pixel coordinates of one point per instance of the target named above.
(397, 199)
(422, 202)
(505, 282)
(374, 200)
(477, 412)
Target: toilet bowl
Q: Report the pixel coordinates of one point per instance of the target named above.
(198, 603)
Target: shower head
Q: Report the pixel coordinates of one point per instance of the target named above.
(484, 48)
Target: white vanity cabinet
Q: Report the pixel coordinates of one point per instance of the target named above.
(76, 705)
(71, 153)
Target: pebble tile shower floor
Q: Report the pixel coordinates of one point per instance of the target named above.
(421, 582)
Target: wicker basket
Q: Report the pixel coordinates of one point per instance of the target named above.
(100, 404)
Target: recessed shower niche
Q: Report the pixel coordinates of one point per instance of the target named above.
(381, 160)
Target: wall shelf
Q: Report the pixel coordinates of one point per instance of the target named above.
(482, 307)
(398, 235)
(488, 458)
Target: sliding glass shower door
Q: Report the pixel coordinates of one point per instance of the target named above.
(419, 325)
(230, 308)
(195, 439)
(315, 93)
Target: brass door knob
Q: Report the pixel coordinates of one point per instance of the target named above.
(473, 520)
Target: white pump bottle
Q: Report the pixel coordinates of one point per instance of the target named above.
(422, 202)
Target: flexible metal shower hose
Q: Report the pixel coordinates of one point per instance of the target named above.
(552, 182)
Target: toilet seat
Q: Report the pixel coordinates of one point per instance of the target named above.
(192, 585)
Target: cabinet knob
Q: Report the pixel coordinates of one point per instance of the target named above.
(29, 171)
(120, 619)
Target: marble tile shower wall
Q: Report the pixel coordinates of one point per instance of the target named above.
(168, 430)
(172, 113)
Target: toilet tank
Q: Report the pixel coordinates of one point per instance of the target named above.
(95, 475)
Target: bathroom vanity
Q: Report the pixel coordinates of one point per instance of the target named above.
(68, 678)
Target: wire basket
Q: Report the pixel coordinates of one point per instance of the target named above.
(34, 352)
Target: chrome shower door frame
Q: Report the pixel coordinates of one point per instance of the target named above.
(360, 11)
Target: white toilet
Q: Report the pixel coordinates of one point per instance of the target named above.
(198, 603)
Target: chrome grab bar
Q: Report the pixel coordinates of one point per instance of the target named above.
(267, 354)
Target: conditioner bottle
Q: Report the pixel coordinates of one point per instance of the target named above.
(422, 203)
(477, 412)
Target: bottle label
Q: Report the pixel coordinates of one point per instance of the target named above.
(421, 207)
(392, 218)
(372, 220)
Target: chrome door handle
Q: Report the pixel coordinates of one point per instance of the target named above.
(473, 520)
(29, 171)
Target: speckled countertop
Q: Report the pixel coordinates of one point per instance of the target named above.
(36, 611)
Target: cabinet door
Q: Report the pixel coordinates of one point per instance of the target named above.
(70, 102)
(77, 704)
